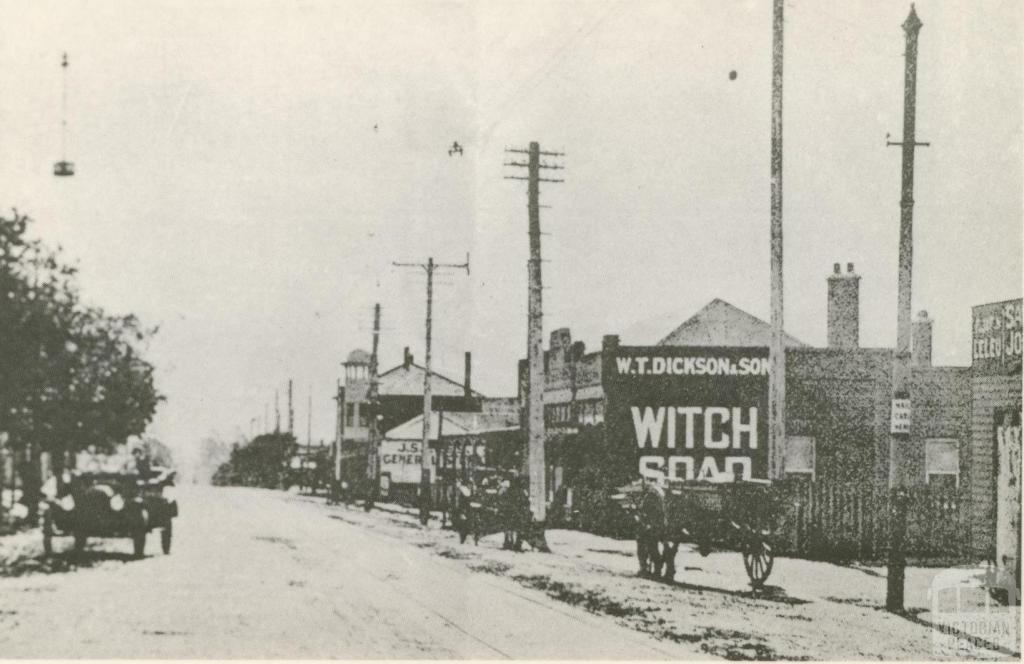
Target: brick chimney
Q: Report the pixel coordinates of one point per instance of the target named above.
(843, 308)
(921, 341)
(407, 358)
(467, 390)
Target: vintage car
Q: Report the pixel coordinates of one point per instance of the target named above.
(109, 504)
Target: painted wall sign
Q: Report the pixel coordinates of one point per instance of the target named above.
(401, 459)
(691, 413)
(996, 337)
(900, 420)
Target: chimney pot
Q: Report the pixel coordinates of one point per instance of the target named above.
(921, 341)
(843, 308)
(407, 358)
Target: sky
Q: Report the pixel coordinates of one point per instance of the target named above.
(247, 172)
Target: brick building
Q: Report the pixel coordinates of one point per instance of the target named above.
(838, 398)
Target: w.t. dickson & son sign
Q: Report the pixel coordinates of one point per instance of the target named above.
(690, 413)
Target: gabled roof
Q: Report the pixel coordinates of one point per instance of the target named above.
(721, 324)
(408, 381)
(455, 424)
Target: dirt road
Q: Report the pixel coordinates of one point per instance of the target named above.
(257, 574)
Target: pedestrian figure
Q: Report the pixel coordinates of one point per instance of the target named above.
(651, 528)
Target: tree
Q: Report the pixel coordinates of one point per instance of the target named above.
(73, 375)
(262, 462)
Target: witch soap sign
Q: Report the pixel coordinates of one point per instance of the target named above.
(691, 413)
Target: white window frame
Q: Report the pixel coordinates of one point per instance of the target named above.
(927, 457)
(813, 470)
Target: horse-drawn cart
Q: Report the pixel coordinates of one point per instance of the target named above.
(739, 516)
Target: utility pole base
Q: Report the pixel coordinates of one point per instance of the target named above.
(537, 538)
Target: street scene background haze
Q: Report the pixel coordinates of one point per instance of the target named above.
(247, 171)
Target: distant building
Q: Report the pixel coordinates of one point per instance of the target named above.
(400, 393)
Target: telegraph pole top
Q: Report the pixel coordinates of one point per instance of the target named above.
(913, 24)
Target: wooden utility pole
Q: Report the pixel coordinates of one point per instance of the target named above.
(901, 370)
(902, 360)
(373, 433)
(291, 411)
(277, 411)
(430, 266)
(777, 350)
(536, 466)
(339, 433)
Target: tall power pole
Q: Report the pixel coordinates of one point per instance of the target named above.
(291, 411)
(429, 267)
(339, 434)
(902, 360)
(309, 421)
(277, 411)
(777, 350)
(373, 437)
(536, 466)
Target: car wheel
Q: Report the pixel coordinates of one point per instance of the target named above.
(165, 538)
(139, 544)
(48, 533)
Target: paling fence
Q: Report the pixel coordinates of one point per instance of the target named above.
(853, 521)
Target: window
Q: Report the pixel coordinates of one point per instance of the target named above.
(350, 414)
(942, 462)
(364, 421)
(800, 456)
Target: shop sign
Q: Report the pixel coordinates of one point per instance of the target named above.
(996, 337)
(900, 416)
(401, 459)
(690, 413)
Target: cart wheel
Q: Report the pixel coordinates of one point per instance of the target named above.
(758, 558)
(139, 544)
(48, 533)
(165, 538)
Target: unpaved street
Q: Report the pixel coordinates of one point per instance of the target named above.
(263, 574)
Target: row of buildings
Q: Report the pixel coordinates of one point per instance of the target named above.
(958, 431)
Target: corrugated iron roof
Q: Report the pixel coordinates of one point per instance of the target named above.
(722, 324)
(405, 380)
(455, 424)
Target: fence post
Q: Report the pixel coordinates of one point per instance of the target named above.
(897, 558)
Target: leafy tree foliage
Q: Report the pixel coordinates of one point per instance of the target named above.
(262, 462)
(73, 375)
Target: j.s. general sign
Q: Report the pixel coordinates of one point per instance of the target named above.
(691, 413)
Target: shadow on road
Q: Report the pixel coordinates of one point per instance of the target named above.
(62, 563)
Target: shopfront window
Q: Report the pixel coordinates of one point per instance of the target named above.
(799, 459)
(942, 462)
